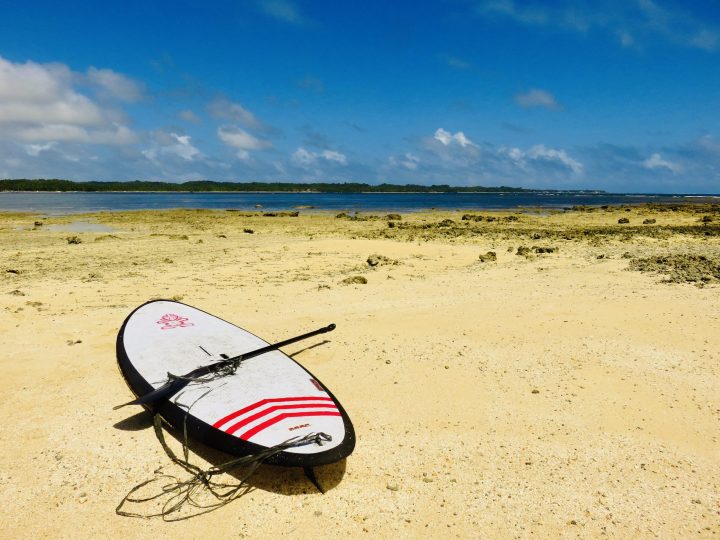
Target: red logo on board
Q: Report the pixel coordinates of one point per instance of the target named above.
(172, 320)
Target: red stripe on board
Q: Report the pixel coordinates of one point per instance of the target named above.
(265, 402)
(257, 429)
(245, 421)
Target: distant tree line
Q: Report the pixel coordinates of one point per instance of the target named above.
(209, 186)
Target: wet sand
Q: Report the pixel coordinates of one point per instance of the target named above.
(567, 386)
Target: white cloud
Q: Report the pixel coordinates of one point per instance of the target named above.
(656, 161)
(537, 98)
(540, 152)
(337, 157)
(38, 103)
(65, 108)
(631, 22)
(455, 159)
(34, 150)
(282, 10)
(189, 116)
(710, 143)
(517, 157)
(31, 82)
(172, 145)
(117, 134)
(410, 161)
(183, 148)
(52, 132)
(115, 85)
(305, 158)
(447, 138)
(241, 140)
(228, 110)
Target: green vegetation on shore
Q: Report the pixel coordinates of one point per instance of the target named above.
(208, 186)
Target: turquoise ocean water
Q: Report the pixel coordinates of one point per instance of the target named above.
(72, 202)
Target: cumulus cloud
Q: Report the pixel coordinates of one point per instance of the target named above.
(39, 103)
(337, 157)
(115, 84)
(35, 150)
(32, 93)
(227, 110)
(241, 140)
(117, 134)
(448, 139)
(171, 145)
(540, 153)
(630, 22)
(452, 157)
(408, 161)
(306, 158)
(656, 161)
(537, 98)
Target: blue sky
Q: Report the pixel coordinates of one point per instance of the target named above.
(615, 95)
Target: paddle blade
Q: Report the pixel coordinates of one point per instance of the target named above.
(166, 390)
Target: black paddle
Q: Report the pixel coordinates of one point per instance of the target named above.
(177, 383)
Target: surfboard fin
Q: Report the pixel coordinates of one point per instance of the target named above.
(310, 473)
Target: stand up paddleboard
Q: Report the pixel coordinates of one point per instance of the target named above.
(267, 401)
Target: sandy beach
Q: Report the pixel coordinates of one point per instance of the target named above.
(566, 385)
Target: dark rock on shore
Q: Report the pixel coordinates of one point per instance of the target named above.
(281, 214)
(357, 217)
(380, 260)
(681, 268)
(524, 251)
(354, 280)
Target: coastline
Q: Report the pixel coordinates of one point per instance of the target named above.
(57, 203)
(560, 390)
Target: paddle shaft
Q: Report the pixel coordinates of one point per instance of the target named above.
(175, 385)
(272, 347)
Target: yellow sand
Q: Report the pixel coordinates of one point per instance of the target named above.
(560, 395)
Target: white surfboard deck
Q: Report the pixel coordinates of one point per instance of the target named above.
(269, 400)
